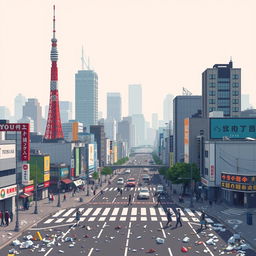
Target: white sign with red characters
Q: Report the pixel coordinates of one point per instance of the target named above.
(7, 192)
(25, 174)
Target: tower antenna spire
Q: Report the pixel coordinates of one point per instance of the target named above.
(82, 58)
(54, 21)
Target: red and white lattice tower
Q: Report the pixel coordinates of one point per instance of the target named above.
(53, 130)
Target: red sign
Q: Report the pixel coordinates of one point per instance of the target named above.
(46, 184)
(236, 178)
(28, 189)
(25, 137)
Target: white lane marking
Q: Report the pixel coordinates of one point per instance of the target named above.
(48, 252)
(90, 252)
(143, 211)
(195, 219)
(70, 220)
(57, 214)
(134, 211)
(114, 200)
(87, 212)
(208, 220)
(115, 211)
(80, 210)
(164, 218)
(170, 252)
(153, 200)
(161, 211)
(133, 218)
(59, 220)
(153, 218)
(115, 189)
(48, 221)
(101, 230)
(190, 213)
(184, 218)
(144, 218)
(181, 212)
(161, 225)
(96, 212)
(193, 230)
(106, 211)
(125, 211)
(122, 218)
(112, 219)
(69, 212)
(110, 189)
(127, 239)
(105, 189)
(152, 211)
(102, 218)
(134, 198)
(82, 219)
(92, 219)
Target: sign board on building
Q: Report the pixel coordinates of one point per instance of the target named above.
(77, 162)
(212, 162)
(7, 151)
(186, 140)
(7, 192)
(91, 156)
(25, 137)
(233, 128)
(25, 174)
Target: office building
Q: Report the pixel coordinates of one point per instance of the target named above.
(19, 102)
(155, 121)
(71, 130)
(65, 111)
(28, 120)
(135, 99)
(245, 102)
(114, 108)
(110, 128)
(124, 128)
(221, 90)
(86, 97)
(168, 108)
(139, 124)
(183, 107)
(5, 113)
(33, 110)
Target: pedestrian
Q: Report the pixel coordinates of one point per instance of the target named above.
(49, 198)
(129, 199)
(158, 200)
(6, 217)
(2, 218)
(121, 191)
(210, 203)
(169, 217)
(178, 218)
(64, 197)
(101, 192)
(118, 190)
(203, 220)
(78, 214)
(94, 192)
(11, 216)
(52, 197)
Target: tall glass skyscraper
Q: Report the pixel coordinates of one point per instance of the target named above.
(221, 90)
(86, 97)
(114, 106)
(135, 99)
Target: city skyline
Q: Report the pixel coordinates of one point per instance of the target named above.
(129, 46)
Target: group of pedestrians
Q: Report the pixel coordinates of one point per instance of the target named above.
(6, 217)
(169, 218)
(120, 190)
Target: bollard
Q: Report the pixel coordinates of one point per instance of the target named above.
(249, 218)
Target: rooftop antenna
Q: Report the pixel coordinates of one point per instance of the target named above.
(85, 64)
(82, 58)
(186, 92)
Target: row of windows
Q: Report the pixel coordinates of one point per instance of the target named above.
(224, 102)
(223, 85)
(7, 172)
(235, 109)
(213, 76)
(224, 93)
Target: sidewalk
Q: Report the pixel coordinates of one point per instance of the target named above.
(27, 218)
(234, 218)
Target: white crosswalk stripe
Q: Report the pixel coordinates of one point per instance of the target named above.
(181, 212)
(96, 212)
(143, 211)
(87, 212)
(69, 212)
(48, 221)
(125, 211)
(115, 211)
(57, 214)
(59, 220)
(80, 210)
(70, 219)
(110, 189)
(190, 213)
(106, 211)
(134, 211)
(152, 211)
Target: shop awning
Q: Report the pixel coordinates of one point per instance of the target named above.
(24, 195)
(67, 181)
(78, 182)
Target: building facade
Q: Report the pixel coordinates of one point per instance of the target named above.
(65, 111)
(135, 99)
(168, 108)
(19, 102)
(114, 106)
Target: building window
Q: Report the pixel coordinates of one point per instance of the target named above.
(235, 101)
(235, 85)
(212, 85)
(235, 76)
(206, 171)
(235, 109)
(212, 101)
(206, 153)
(212, 93)
(211, 109)
(212, 76)
(235, 93)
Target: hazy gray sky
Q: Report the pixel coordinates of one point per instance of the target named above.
(162, 44)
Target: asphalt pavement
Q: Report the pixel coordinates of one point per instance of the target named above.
(109, 226)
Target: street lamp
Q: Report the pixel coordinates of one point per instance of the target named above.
(17, 225)
(36, 210)
(58, 204)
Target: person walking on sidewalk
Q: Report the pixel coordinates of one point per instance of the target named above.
(2, 218)
(11, 216)
(7, 216)
(78, 214)
(129, 199)
(169, 217)
(64, 197)
(178, 217)
(203, 220)
(121, 191)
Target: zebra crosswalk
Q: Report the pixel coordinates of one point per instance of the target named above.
(142, 214)
(128, 189)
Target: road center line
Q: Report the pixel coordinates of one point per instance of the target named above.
(114, 200)
(161, 225)
(48, 252)
(193, 230)
(127, 239)
(90, 252)
(101, 230)
(170, 252)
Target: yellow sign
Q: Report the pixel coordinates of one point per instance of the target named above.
(37, 236)
(46, 163)
(46, 176)
(75, 131)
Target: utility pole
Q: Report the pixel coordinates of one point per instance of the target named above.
(17, 224)
(191, 196)
(36, 210)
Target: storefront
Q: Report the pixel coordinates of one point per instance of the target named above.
(7, 198)
(42, 190)
(26, 197)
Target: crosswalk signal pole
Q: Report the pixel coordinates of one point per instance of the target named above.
(191, 196)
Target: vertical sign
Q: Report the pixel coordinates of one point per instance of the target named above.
(25, 174)
(186, 140)
(212, 162)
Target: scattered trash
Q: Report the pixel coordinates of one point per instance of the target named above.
(138, 237)
(71, 245)
(88, 228)
(160, 240)
(28, 237)
(151, 250)
(117, 227)
(42, 250)
(16, 242)
(210, 242)
(26, 245)
(184, 249)
(60, 251)
(69, 239)
(186, 239)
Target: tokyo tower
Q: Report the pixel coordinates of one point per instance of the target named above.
(53, 130)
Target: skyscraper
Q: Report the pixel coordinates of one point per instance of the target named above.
(33, 110)
(139, 124)
(135, 99)
(86, 97)
(221, 90)
(168, 108)
(19, 102)
(65, 111)
(114, 110)
(154, 121)
(5, 113)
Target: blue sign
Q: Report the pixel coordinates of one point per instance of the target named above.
(233, 128)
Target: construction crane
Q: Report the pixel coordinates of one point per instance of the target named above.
(186, 92)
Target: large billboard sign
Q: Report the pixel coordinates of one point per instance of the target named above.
(25, 137)
(91, 156)
(233, 128)
(77, 162)
(7, 151)
(186, 140)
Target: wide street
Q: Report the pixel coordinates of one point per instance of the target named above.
(109, 226)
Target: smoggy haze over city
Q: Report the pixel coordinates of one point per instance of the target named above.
(163, 45)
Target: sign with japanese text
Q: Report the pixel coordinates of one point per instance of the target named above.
(238, 187)
(25, 137)
(233, 128)
(7, 151)
(25, 174)
(7, 192)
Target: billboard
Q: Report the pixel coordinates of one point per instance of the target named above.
(233, 128)
(25, 174)
(46, 168)
(186, 140)
(75, 131)
(7, 151)
(90, 156)
(25, 137)
(212, 162)
(77, 162)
